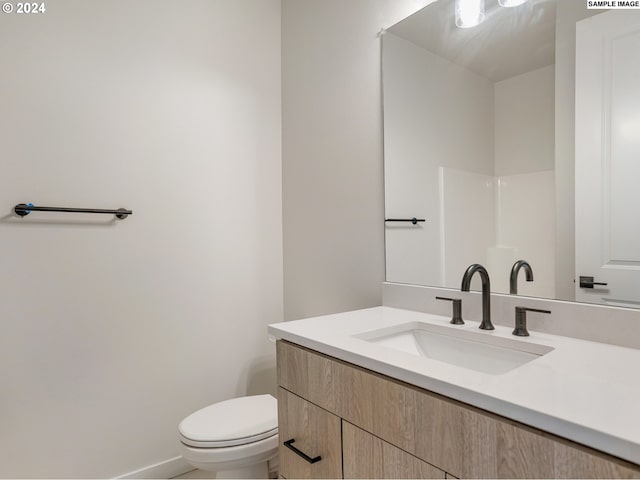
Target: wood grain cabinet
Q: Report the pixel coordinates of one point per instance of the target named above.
(310, 439)
(367, 456)
(372, 426)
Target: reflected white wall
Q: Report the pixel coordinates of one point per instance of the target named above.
(491, 147)
(435, 116)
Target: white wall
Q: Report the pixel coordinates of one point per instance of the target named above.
(332, 152)
(112, 331)
(435, 116)
(524, 122)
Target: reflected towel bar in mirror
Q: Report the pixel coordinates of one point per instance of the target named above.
(24, 209)
(413, 220)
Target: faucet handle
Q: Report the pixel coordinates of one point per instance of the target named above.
(521, 320)
(456, 318)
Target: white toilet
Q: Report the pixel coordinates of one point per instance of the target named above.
(237, 438)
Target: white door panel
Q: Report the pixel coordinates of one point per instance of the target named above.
(608, 157)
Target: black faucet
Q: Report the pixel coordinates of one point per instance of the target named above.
(486, 293)
(513, 278)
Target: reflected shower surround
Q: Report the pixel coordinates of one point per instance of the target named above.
(469, 13)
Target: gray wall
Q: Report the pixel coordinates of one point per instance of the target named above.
(333, 205)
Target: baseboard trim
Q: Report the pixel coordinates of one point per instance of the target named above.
(167, 469)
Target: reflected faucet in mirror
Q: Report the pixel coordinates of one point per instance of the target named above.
(513, 278)
(486, 292)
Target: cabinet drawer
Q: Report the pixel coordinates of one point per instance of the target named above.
(310, 432)
(367, 456)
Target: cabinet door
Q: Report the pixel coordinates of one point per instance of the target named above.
(367, 456)
(310, 439)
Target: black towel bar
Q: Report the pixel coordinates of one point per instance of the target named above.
(24, 209)
(413, 220)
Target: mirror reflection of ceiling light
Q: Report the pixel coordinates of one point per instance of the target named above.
(469, 13)
(511, 3)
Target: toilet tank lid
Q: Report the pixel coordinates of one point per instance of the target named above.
(232, 419)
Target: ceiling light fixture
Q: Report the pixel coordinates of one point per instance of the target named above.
(470, 13)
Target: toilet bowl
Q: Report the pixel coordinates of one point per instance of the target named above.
(237, 438)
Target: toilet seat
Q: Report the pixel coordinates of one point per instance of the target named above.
(228, 443)
(239, 421)
(230, 458)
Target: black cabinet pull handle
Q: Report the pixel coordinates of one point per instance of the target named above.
(289, 445)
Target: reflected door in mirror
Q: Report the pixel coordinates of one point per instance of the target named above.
(608, 158)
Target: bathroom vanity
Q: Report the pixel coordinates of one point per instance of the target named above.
(371, 408)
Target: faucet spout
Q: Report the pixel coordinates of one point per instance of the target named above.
(513, 278)
(486, 292)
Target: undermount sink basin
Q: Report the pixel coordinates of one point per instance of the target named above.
(477, 351)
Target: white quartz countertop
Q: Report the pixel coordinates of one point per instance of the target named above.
(584, 391)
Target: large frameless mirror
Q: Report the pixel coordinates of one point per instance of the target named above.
(482, 142)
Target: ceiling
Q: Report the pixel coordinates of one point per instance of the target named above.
(509, 42)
